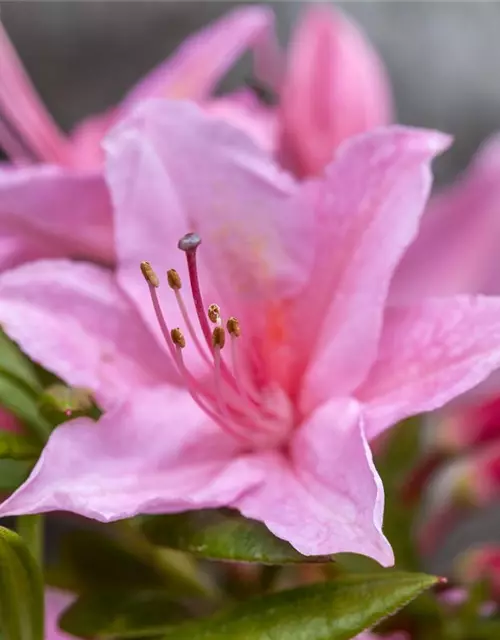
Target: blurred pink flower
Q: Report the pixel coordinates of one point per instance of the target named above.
(334, 87)
(456, 249)
(55, 203)
(53, 199)
(8, 422)
(367, 635)
(55, 603)
(279, 428)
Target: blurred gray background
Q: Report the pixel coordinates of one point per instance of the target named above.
(443, 57)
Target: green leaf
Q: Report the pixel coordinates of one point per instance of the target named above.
(18, 446)
(21, 590)
(106, 614)
(95, 560)
(23, 403)
(222, 535)
(13, 473)
(336, 610)
(14, 363)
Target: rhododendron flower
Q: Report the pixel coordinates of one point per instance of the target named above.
(53, 199)
(56, 204)
(55, 603)
(456, 249)
(266, 400)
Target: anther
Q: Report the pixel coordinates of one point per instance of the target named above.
(174, 279)
(178, 338)
(149, 274)
(218, 338)
(189, 242)
(213, 313)
(233, 327)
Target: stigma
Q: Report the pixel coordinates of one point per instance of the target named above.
(228, 395)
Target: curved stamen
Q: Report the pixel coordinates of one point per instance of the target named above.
(175, 283)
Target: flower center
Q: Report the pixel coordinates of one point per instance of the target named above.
(254, 416)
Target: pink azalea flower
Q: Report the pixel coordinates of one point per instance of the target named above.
(276, 421)
(456, 249)
(53, 200)
(55, 603)
(333, 86)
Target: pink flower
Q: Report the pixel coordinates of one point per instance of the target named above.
(367, 635)
(333, 86)
(55, 603)
(276, 421)
(54, 201)
(456, 248)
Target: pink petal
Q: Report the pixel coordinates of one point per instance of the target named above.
(203, 59)
(49, 211)
(335, 87)
(173, 169)
(429, 353)
(244, 110)
(28, 131)
(86, 138)
(156, 453)
(74, 320)
(367, 213)
(328, 498)
(55, 603)
(456, 249)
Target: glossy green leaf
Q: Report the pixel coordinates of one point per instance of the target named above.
(95, 560)
(222, 535)
(124, 614)
(336, 610)
(21, 590)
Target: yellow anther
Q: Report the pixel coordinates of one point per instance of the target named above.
(233, 326)
(149, 274)
(174, 279)
(178, 337)
(213, 312)
(219, 337)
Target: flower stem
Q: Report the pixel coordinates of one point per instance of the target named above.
(31, 529)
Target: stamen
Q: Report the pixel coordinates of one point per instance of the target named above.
(214, 313)
(218, 338)
(178, 338)
(149, 274)
(174, 279)
(233, 327)
(243, 383)
(191, 386)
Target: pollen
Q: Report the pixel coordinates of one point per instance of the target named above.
(149, 274)
(174, 279)
(219, 337)
(213, 313)
(233, 327)
(178, 338)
